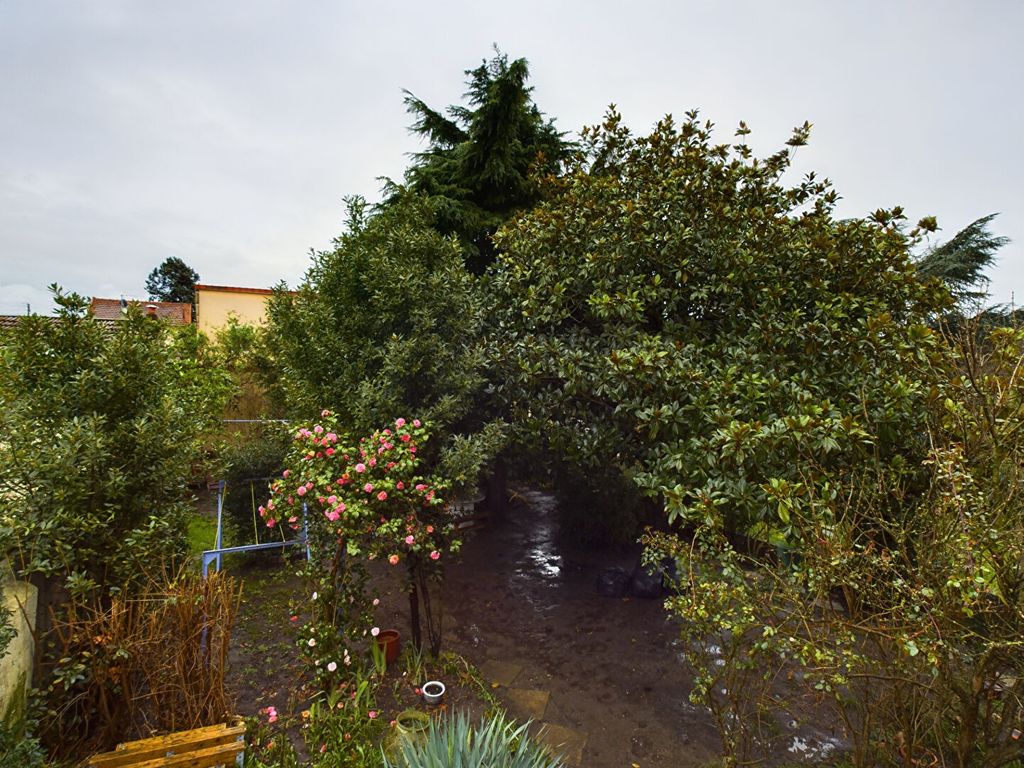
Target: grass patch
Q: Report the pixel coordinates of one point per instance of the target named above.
(202, 532)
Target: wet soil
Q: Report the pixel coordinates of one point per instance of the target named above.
(521, 594)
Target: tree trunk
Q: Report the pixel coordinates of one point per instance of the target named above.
(414, 610)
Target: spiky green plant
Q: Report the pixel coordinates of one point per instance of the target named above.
(454, 742)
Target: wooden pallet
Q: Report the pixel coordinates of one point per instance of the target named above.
(198, 748)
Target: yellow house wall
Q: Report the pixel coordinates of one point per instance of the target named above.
(214, 307)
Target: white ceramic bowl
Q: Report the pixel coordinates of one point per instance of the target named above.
(433, 691)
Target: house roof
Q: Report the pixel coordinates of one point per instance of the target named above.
(233, 289)
(9, 321)
(174, 312)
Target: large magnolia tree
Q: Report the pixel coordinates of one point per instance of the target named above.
(680, 311)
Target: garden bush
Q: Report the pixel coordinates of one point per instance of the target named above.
(389, 322)
(251, 458)
(900, 608)
(100, 427)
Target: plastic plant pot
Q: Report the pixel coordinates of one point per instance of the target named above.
(433, 691)
(391, 642)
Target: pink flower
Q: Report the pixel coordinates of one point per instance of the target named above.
(293, 519)
(309, 485)
(376, 602)
(430, 529)
(393, 559)
(323, 748)
(430, 495)
(318, 429)
(435, 555)
(331, 437)
(420, 487)
(332, 515)
(301, 490)
(286, 473)
(400, 485)
(410, 540)
(332, 499)
(332, 666)
(416, 423)
(271, 523)
(406, 438)
(360, 467)
(382, 496)
(399, 423)
(368, 487)
(412, 449)
(325, 413)
(372, 462)
(293, 618)
(329, 451)
(375, 631)
(372, 714)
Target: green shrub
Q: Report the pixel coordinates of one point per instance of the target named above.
(496, 743)
(17, 750)
(100, 428)
(251, 461)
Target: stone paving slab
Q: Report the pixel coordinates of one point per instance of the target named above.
(564, 741)
(526, 703)
(503, 673)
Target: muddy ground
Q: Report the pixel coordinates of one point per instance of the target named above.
(520, 595)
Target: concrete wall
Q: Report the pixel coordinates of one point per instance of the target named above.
(16, 667)
(214, 304)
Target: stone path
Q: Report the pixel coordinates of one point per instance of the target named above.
(532, 704)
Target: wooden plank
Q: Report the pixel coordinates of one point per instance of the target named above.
(203, 758)
(133, 752)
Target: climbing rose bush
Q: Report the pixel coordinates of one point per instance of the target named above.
(360, 500)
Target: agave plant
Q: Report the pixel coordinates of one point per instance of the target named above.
(454, 742)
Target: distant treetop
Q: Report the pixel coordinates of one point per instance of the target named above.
(174, 280)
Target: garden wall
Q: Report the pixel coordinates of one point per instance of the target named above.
(21, 598)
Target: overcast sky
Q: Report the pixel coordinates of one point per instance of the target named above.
(227, 133)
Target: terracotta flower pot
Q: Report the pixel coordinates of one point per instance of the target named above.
(391, 641)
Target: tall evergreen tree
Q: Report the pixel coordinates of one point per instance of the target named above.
(482, 159)
(173, 280)
(960, 263)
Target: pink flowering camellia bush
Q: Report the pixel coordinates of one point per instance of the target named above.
(361, 500)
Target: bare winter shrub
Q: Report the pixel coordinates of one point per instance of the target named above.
(151, 662)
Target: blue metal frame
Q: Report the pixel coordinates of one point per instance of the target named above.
(214, 555)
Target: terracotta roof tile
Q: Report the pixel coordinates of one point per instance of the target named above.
(174, 312)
